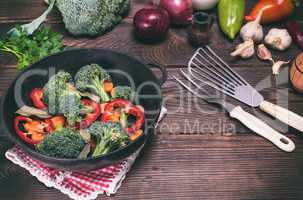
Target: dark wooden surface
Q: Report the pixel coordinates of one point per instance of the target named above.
(195, 155)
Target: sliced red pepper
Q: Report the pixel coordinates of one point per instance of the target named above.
(37, 98)
(117, 103)
(33, 128)
(135, 111)
(126, 107)
(90, 117)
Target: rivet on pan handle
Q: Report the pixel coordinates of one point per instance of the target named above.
(163, 70)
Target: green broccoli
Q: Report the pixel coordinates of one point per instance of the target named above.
(92, 77)
(70, 106)
(109, 137)
(66, 143)
(91, 17)
(123, 92)
(52, 90)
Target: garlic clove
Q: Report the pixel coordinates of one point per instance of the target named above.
(263, 53)
(277, 65)
(245, 49)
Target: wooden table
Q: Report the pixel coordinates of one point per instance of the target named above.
(195, 155)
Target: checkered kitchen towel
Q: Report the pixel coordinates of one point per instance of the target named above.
(85, 185)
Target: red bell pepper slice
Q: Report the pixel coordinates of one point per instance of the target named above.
(135, 111)
(117, 103)
(37, 97)
(32, 126)
(90, 117)
(128, 108)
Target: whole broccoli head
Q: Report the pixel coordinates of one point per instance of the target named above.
(91, 78)
(70, 106)
(109, 137)
(91, 17)
(123, 92)
(66, 143)
(52, 90)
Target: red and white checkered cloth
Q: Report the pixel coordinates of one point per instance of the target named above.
(85, 185)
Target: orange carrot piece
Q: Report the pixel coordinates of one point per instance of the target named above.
(108, 86)
(136, 134)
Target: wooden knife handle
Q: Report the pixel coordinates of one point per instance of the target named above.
(262, 129)
(284, 115)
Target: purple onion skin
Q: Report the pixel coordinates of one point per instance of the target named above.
(151, 24)
(296, 33)
(180, 11)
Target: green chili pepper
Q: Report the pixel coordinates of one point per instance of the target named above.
(231, 14)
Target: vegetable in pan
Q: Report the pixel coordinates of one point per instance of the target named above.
(93, 78)
(52, 90)
(123, 92)
(74, 126)
(109, 136)
(70, 106)
(66, 143)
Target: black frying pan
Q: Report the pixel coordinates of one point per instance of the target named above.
(37, 75)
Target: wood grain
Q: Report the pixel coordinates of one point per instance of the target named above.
(198, 152)
(241, 167)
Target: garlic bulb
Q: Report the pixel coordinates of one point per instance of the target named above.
(263, 53)
(278, 39)
(253, 30)
(245, 49)
(277, 65)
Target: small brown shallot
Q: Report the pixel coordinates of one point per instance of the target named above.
(263, 53)
(29, 111)
(245, 49)
(85, 135)
(85, 151)
(277, 65)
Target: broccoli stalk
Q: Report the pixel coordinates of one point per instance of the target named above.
(54, 88)
(71, 107)
(66, 143)
(91, 78)
(108, 136)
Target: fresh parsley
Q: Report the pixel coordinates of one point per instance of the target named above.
(30, 48)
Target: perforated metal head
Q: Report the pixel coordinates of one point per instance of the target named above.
(207, 67)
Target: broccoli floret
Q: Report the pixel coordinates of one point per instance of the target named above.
(66, 143)
(123, 92)
(91, 17)
(108, 136)
(52, 90)
(70, 106)
(91, 78)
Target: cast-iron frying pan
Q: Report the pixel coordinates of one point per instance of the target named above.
(71, 60)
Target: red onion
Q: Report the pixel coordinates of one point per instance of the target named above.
(180, 11)
(151, 23)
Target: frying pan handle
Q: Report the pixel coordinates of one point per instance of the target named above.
(163, 70)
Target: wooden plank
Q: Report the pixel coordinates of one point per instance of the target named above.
(192, 167)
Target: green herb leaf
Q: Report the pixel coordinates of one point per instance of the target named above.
(29, 49)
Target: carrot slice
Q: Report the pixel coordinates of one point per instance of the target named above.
(108, 86)
(136, 134)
